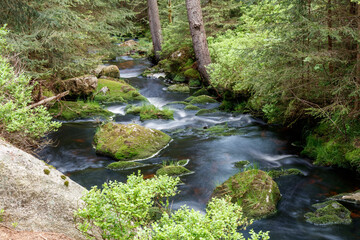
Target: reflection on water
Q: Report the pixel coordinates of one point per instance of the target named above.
(212, 158)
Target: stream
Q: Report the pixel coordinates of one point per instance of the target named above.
(212, 157)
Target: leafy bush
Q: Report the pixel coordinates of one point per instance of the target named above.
(123, 211)
(15, 96)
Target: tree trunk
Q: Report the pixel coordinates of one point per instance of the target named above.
(330, 40)
(169, 11)
(155, 27)
(198, 37)
(357, 72)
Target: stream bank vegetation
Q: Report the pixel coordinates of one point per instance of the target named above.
(124, 211)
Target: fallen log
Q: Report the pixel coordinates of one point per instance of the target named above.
(46, 100)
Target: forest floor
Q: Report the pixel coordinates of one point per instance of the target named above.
(7, 233)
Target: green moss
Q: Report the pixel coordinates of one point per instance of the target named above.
(241, 164)
(200, 92)
(47, 171)
(119, 91)
(254, 190)
(205, 111)
(179, 78)
(194, 83)
(183, 162)
(129, 142)
(179, 88)
(63, 177)
(149, 111)
(279, 173)
(69, 110)
(173, 170)
(192, 74)
(111, 71)
(192, 107)
(124, 165)
(66, 183)
(178, 102)
(328, 213)
(202, 99)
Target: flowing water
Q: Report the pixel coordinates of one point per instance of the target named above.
(212, 157)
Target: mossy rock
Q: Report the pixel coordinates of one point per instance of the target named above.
(353, 197)
(179, 88)
(194, 83)
(329, 213)
(279, 173)
(69, 110)
(206, 111)
(129, 142)
(179, 78)
(200, 92)
(110, 71)
(172, 170)
(149, 111)
(125, 165)
(192, 107)
(192, 74)
(178, 102)
(241, 164)
(119, 91)
(254, 190)
(202, 99)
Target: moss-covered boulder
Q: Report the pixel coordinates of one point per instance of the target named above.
(192, 74)
(173, 170)
(202, 99)
(284, 172)
(149, 111)
(206, 111)
(78, 87)
(110, 71)
(118, 91)
(328, 213)
(353, 197)
(192, 107)
(129, 142)
(179, 88)
(194, 83)
(254, 190)
(200, 92)
(125, 165)
(69, 110)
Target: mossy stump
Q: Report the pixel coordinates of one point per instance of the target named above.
(328, 213)
(172, 170)
(254, 190)
(129, 142)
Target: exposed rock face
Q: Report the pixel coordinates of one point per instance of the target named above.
(78, 86)
(129, 142)
(353, 197)
(254, 190)
(110, 71)
(35, 195)
(328, 213)
(97, 70)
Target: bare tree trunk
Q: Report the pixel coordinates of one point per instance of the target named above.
(357, 72)
(155, 27)
(169, 11)
(198, 37)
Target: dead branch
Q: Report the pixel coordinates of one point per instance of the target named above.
(42, 102)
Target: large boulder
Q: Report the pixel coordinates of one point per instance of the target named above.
(78, 86)
(254, 190)
(328, 213)
(111, 71)
(129, 142)
(35, 195)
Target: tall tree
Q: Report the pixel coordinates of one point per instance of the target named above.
(198, 37)
(155, 27)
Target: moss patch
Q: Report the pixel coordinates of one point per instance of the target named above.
(200, 92)
(202, 99)
(179, 88)
(328, 213)
(254, 190)
(241, 164)
(149, 111)
(279, 173)
(192, 74)
(69, 110)
(119, 91)
(173, 170)
(192, 107)
(129, 142)
(124, 165)
(206, 111)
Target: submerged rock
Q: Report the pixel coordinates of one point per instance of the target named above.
(254, 190)
(328, 213)
(241, 164)
(173, 170)
(110, 71)
(353, 197)
(279, 173)
(125, 165)
(78, 86)
(192, 107)
(206, 111)
(129, 142)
